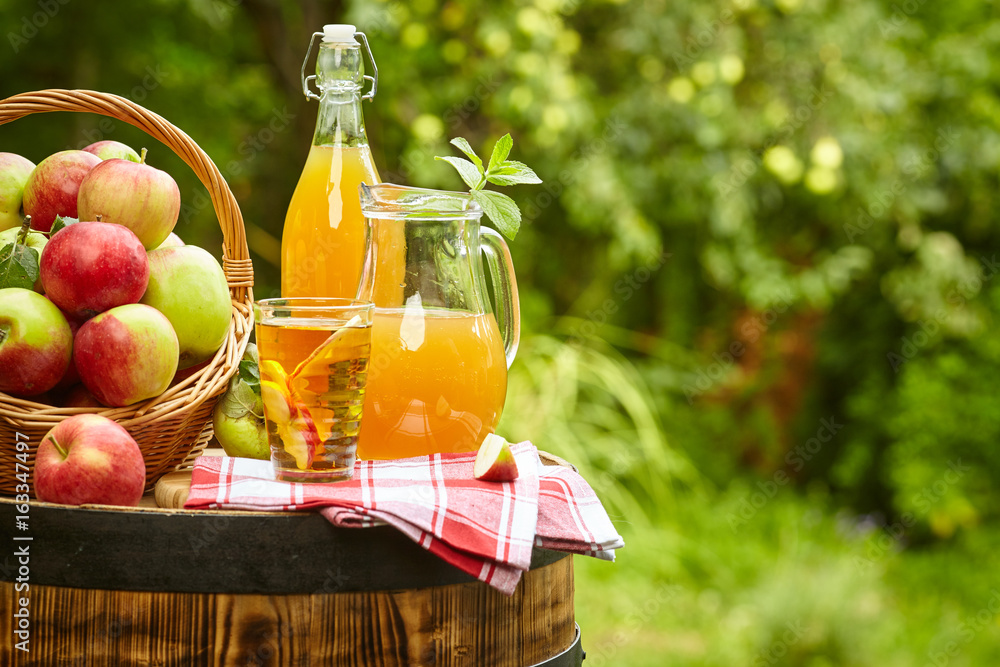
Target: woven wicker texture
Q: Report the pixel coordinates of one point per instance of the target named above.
(174, 427)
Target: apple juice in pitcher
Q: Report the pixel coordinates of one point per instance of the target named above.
(323, 242)
(437, 378)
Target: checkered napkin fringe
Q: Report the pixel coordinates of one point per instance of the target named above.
(486, 529)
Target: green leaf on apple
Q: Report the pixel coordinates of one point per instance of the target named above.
(249, 373)
(61, 222)
(240, 399)
(18, 266)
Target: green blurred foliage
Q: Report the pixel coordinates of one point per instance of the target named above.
(757, 215)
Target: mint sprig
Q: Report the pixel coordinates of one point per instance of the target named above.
(499, 208)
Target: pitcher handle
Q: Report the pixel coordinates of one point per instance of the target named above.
(507, 307)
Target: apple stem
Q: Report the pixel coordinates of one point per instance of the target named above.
(22, 235)
(142, 158)
(59, 448)
(99, 216)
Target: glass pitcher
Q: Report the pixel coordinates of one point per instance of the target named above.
(437, 378)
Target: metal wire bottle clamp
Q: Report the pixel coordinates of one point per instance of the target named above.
(370, 95)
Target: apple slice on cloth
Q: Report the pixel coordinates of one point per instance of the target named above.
(495, 461)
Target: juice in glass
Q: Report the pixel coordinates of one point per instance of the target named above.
(313, 373)
(437, 382)
(323, 243)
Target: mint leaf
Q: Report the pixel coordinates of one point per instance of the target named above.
(60, 222)
(463, 145)
(500, 152)
(501, 209)
(512, 172)
(18, 266)
(473, 177)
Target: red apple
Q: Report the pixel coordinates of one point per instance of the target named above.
(126, 354)
(109, 150)
(52, 187)
(70, 377)
(90, 267)
(14, 172)
(35, 343)
(494, 461)
(144, 199)
(88, 458)
(188, 286)
(79, 397)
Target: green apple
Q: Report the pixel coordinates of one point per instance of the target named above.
(36, 343)
(109, 150)
(244, 436)
(171, 240)
(14, 172)
(188, 286)
(34, 240)
(239, 416)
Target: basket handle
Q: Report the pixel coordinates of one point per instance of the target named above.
(235, 254)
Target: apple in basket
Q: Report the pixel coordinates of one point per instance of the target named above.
(138, 196)
(187, 284)
(14, 172)
(53, 186)
(89, 267)
(171, 240)
(35, 240)
(88, 458)
(35, 342)
(126, 354)
(109, 150)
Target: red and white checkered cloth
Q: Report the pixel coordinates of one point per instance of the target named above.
(486, 529)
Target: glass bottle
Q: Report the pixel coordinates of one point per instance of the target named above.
(323, 242)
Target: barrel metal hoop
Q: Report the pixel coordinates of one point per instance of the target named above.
(571, 657)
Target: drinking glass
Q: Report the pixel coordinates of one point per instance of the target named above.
(314, 355)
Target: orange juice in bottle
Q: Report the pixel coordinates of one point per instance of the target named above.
(437, 382)
(323, 242)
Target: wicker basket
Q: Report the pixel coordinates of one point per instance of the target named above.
(174, 427)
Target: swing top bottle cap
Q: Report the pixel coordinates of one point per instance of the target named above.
(342, 33)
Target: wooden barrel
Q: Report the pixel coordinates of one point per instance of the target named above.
(152, 586)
